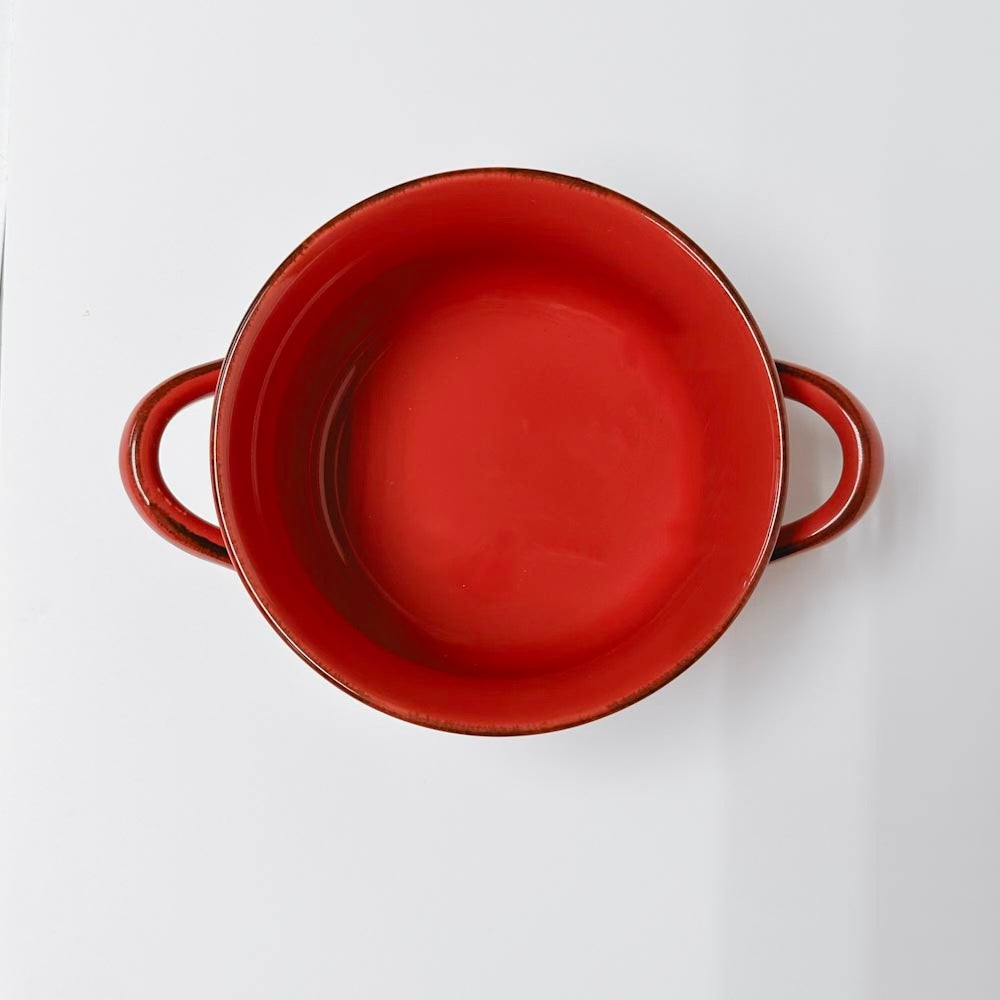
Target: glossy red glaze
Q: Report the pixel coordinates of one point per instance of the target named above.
(499, 452)
(139, 460)
(860, 445)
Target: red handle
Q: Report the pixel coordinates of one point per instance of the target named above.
(139, 461)
(863, 459)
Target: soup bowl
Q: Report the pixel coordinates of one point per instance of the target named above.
(499, 452)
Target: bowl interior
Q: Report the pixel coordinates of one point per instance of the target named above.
(498, 451)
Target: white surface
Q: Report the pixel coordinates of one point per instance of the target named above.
(811, 811)
(5, 25)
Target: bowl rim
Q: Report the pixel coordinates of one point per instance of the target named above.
(672, 670)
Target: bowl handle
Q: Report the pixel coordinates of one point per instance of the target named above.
(139, 462)
(863, 459)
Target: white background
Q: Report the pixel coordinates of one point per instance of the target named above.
(186, 810)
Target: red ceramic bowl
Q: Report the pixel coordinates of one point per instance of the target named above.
(498, 452)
